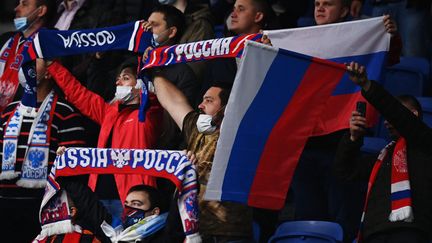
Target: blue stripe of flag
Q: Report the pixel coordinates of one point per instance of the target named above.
(372, 61)
(281, 81)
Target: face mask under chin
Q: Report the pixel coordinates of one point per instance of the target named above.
(23, 23)
(156, 43)
(124, 94)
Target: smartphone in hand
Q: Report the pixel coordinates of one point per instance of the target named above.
(361, 108)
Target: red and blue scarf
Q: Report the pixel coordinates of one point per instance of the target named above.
(11, 62)
(401, 205)
(172, 165)
(34, 171)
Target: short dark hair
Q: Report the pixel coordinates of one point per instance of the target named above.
(173, 17)
(132, 63)
(154, 195)
(225, 91)
(48, 18)
(264, 7)
(412, 102)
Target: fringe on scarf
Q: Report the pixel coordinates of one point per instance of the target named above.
(402, 214)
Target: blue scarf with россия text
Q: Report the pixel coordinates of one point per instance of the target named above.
(49, 44)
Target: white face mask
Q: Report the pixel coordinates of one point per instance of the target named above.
(204, 124)
(123, 93)
(155, 41)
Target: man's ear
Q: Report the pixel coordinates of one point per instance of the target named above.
(43, 10)
(416, 113)
(259, 16)
(173, 32)
(156, 211)
(345, 12)
(73, 211)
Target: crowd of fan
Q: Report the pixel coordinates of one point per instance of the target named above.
(95, 100)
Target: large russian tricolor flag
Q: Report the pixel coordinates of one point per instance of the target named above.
(363, 41)
(277, 98)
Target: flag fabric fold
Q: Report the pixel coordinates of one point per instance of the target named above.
(364, 41)
(276, 100)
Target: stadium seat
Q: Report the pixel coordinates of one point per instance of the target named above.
(410, 76)
(373, 145)
(307, 232)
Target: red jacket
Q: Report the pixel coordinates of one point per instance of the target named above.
(127, 131)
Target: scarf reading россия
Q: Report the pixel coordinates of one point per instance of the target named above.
(172, 165)
(198, 51)
(35, 165)
(57, 43)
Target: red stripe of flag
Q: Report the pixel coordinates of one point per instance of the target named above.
(288, 136)
(335, 118)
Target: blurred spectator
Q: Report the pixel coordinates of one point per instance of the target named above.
(288, 13)
(117, 119)
(199, 26)
(220, 10)
(133, 10)
(414, 21)
(398, 201)
(30, 15)
(84, 14)
(25, 158)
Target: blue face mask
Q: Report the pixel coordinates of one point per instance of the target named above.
(20, 23)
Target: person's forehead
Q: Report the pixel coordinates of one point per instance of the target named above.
(127, 70)
(213, 92)
(244, 3)
(138, 195)
(156, 17)
(329, 1)
(28, 2)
